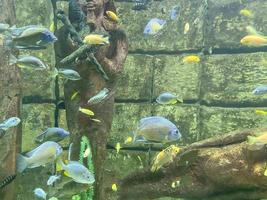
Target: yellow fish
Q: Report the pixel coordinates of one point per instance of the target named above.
(74, 95)
(254, 40)
(112, 16)
(246, 13)
(261, 112)
(114, 187)
(86, 111)
(118, 147)
(52, 27)
(191, 59)
(262, 138)
(164, 157)
(96, 39)
(155, 27)
(175, 184)
(128, 140)
(186, 28)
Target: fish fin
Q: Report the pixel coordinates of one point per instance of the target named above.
(251, 140)
(40, 138)
(12, 60)
(59, 165)
(106, 39)
(66, 174)
(22, 163)
(265, 173)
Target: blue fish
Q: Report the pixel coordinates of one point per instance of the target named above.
(154, 26)
(175, 11)
(260, 90)
(52, 134)
(156, 129)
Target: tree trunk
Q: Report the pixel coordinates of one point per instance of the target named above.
(10, 101)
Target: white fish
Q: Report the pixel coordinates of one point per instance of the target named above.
(100, 96)
(53, 179)
(10, 122)
(186, 28)
(40, 193)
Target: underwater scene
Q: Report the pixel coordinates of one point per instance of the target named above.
(133, 99)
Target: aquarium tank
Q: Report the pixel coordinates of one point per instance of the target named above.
(133, 99)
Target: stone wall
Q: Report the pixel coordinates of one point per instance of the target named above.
(216, 91)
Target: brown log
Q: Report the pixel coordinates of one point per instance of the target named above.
(10, 101)
(232, 170)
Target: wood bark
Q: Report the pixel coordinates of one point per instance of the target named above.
(10, 101)
(223, 167)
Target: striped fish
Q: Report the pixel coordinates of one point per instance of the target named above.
(7, 180)
(100, 96)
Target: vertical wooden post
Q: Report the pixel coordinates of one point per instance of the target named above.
(10, 101)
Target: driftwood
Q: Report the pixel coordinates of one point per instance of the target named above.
(219, 168)
(111, 58)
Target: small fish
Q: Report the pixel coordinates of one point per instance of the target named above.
(118, 147)
(7, 180)
(86, 152)
(164, 157)
(52, 27)
(99, 97)
(114, 187)
(154, 26)
(262, 138)
(40, 193)
(168, 98)
(10, 122)
(175, 184)
(95, 120)
(186, 28)
(55, 134)
(128, 140)
(246, 13)
(52, 179)
(74, 95)
(191, 59)
(46, 153)
(69, 74)
(86, 111)
(261, 112)
(27, 62)
(76, 171)
(174, 12)
(4, 27)
(156, 129)
(254, 40)
(260, 90)
(96, 39)
(111, 15)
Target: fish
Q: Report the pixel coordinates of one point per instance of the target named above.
(75, 170)
(33, 36)
(156, 129)
(68, 74)
(175, 11)
(164, 157)
(261, 138)
(191, 59)
(7, 181)
(86, 153)
(186, 28)
(140, 5)
(154, 26)
(46, 153)
(114, 187)
(4, 27)
(168, 98)
(175, 184)
(53, 179)
(10, 122)
(52, 27)
(260, 112)
(99, 97)
(55, 134)
(246, 13)
(27, 62)
(260, 90)
(254, 40)
(86, 111)
(111, 15)
(118, 147)
(128, 140)
(96, 39)
(74, 95)
(96, 120)
(40, 193)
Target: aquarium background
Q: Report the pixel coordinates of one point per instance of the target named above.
(216, 91)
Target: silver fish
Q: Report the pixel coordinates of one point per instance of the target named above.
(260, 90)
(68, 74)
(167, 98)
(27, 62)
(40, 193)
(55, 134)
(10, 122)
(100, 96)
(46, 153)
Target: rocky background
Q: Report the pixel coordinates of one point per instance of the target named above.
(216, 91)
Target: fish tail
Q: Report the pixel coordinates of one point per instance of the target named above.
(12, 60)
(54, 74)
(106, 40)
(22, 163)
(251, 140)
(60, 165)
